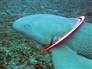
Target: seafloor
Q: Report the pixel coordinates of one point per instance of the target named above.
(18, 52)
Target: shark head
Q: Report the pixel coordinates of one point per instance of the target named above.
(43, 27)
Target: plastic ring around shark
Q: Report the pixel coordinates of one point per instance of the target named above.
(80, 21)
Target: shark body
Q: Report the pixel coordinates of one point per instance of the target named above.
(45, 27)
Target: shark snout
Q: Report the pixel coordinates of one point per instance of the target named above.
(21, 26)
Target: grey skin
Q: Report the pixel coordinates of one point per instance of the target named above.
(45, 27)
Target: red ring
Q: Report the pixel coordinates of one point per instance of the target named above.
(62, 39)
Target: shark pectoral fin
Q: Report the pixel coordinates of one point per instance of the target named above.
(65, 58)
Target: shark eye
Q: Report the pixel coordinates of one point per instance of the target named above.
(27, 26)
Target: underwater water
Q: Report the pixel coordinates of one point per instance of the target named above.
(18, 52)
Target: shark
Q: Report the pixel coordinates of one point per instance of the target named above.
(47, 28)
